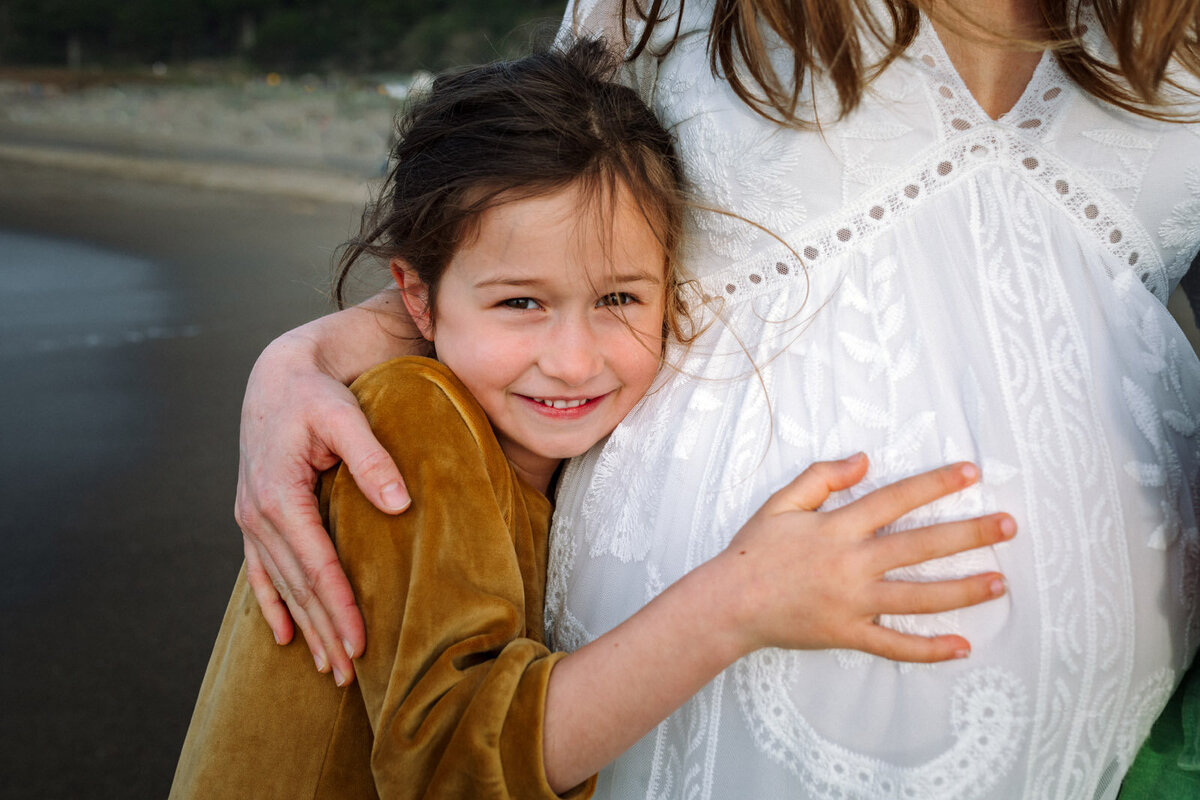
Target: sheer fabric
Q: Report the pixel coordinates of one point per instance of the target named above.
(951, 287)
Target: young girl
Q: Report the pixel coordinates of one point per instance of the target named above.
(530, 221)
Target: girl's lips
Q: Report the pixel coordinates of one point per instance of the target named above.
(571, 408)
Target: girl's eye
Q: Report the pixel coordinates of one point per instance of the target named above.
(616, 299)
(521, 303)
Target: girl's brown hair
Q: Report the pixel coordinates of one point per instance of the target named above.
(488, 135)
(827, 39)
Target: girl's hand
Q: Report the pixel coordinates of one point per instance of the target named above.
(808, 579)
(298, 421)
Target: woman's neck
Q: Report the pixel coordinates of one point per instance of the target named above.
(994, 70)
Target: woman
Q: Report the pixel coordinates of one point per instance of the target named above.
(977, 254)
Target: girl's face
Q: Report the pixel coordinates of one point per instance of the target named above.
(552, 317)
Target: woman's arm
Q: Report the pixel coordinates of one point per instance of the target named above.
(298, 419)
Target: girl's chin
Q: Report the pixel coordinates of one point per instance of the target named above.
(549, 454)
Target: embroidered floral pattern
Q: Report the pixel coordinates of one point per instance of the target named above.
(988, 716)
(1182, 228)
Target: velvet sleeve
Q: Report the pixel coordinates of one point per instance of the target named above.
(454, 674)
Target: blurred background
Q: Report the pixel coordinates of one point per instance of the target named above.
(174, 178)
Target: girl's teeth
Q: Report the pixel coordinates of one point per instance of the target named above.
(562, 403)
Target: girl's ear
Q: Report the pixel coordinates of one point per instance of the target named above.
(416, 297)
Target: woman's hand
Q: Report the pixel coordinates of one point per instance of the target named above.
(803, 578)
(299, 419)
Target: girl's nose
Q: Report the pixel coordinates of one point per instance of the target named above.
(573, 354)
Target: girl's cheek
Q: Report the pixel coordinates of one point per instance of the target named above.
(506, 347)
(497, 347)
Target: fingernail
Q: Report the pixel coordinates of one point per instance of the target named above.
(857, 457)
(962, 653)
(996, 587)
(322, 664)
(349, 650)
(970, 471)
(1008, 527)
(278, 638)
(395, 496)
(338, 677)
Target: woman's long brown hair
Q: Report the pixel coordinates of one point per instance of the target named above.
(829, 38)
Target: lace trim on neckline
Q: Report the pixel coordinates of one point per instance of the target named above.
(1033, 111)
(969, 141)
(1085, 201)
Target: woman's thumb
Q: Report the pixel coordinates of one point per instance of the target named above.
(373, 469)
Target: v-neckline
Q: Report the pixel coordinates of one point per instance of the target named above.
(1036, 77)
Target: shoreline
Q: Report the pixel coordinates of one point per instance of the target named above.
(299, 183)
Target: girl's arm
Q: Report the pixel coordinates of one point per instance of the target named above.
(793, 577)
(298, 419)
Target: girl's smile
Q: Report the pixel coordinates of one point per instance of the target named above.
(562, 408)
(552, 316)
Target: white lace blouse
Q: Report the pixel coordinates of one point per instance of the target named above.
(965, 289)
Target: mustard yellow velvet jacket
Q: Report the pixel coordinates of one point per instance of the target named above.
(450, 695)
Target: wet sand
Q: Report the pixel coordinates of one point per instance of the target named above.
(123, 369)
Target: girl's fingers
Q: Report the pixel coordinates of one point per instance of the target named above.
(886, 505)
(813, 486)
(914, 546)
(913, 597)
(897, 646)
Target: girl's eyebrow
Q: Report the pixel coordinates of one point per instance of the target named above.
(637, 277)
(622, 279)
(507, 282)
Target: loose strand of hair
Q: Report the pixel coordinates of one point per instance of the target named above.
(651, 18)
